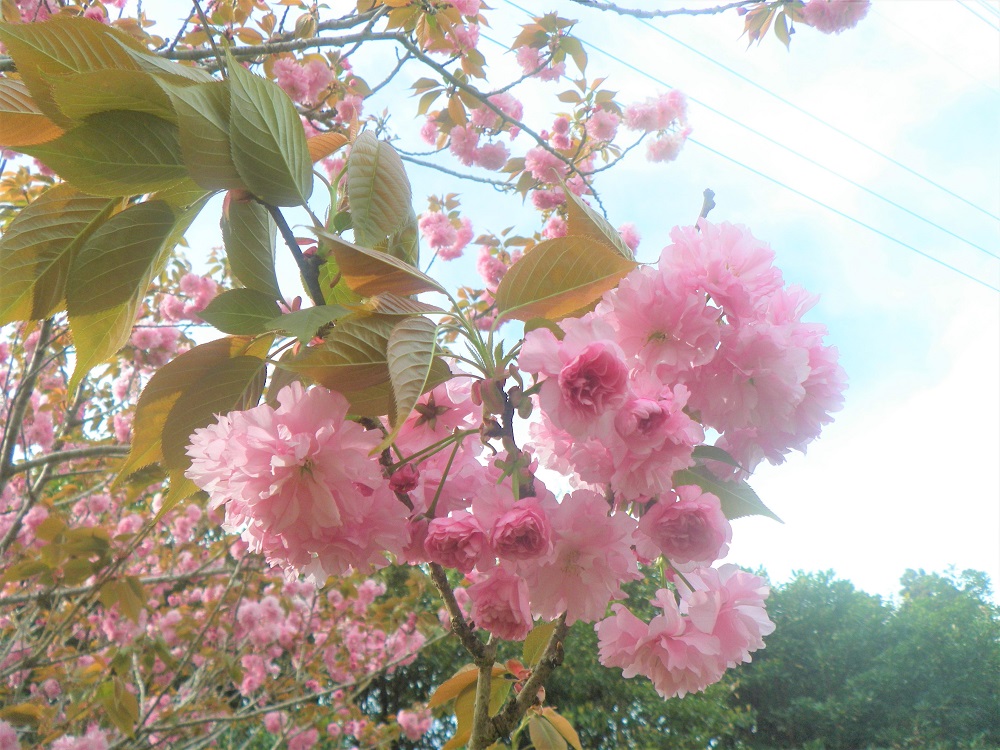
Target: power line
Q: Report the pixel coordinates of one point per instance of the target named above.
(846, 216)
(981, 18)
(768, 177)
(813, 117)
(990, 8)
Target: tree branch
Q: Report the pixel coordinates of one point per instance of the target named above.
(308, 269)
(96, 451)
(637, 13)
(498, 184)
(459, 625)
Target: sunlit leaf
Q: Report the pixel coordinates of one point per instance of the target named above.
(369, 272)
(544, 736)
(61, 46)
(582, 220)
(563, 727)
(116, 154)
(377, 189)
(352, 357)
(559, 277)
(325, 144)
(120, 706)
(80, 95)
(203, 131)
(38, 247)
(535, 643)
(243, 312)
(21, 122)
(453, 686)
(268, 141)
(737, 498)
(166, 387)
(410, 353)
(392, 304)
(306, 324)
(109, 277)
(248, 233)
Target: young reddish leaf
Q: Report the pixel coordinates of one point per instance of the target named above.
(110, 276)
(563, 727)
(226, 385)
(248, 233)
(544, 736)
(324, 144)
(243, 312)
(167, 386)
(38, 247)
(80, 95)
(737, 498)
(582, 220)
(351, 358)
(369, 272)
(558, 277)
(116, 154)
(268, 142)
(377, 189)
(410, 354)
(21, 121)
(535, 643)
(203, 126)
(61, 46)
(306, 324)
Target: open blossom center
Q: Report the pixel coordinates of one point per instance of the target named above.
(594, 380)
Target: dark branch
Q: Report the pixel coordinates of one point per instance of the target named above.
(637, 13)
(308, 269)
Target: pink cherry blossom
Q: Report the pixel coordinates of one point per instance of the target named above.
(591, 559)
(466, 8)
(687, 525)
(657, 114)
(463, 143)
(303, 82)
(415, 724)
(728, 603)
(491, 156)
(544, 166)
(667, 147)
(299, 484)
(500, 605)
(8, 737)
(437, 230)
(456, 541)
(463, 235)
(630, 236)
(603, 125)
(523, 532)
(834, 16)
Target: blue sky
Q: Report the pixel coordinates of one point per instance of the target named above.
(909, 474)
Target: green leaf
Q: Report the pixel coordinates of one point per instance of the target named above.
(243, 312)
(305, 324)
(333, 286)
(119, 704)
(203, 128)
(544, 736)
(268, 141)
(535, 643)
(563, 727)
(582, 220)
(110, 276)
(391, 304)
(351, 358)
(560, 277)
(377, 189)
(21, 121)
(572, 47)
(172, 381)
(163, 69)
(737, 498)
(116, 154)
(370, 272)
(410, 355)
(235, 383)
(781, 30)
(248, 233)
(83, 94)
(61, 46)
(404, 243)
(38, 247)
(712, 453)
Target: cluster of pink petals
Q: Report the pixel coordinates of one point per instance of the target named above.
(464, 145)
(533, 64)
(689, 646)
(486, 118)
(711, 331)
(304, 83)
(415, 724)
(466, 7)
(298, 483)
(834, 16)
(657, 114)
(687, 526)
(544, 166)
(443, 237)
(603, 125)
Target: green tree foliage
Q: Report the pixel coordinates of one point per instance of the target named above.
(845, 669)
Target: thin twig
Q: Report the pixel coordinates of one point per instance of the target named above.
(636, 13)
(308, 269)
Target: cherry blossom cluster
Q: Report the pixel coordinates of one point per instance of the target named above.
(834, 16)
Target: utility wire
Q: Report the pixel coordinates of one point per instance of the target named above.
(981, 18)
(768, 177)
(990, 8)
(846, 216)
(813, 117)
